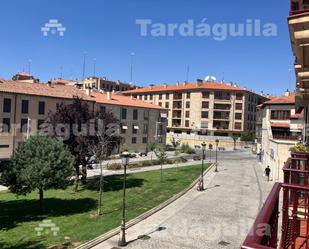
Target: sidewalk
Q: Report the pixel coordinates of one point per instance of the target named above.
(220, 216)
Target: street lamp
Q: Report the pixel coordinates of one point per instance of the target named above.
(210, 149)
(125, 157)
(217, 143)
(201, 187)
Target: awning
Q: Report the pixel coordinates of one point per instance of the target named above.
(136, 127)
(280, 125)
(163, 115)
(124, 127)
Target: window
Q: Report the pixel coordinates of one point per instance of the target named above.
(24, 125)
(133, 140)
(238, 116)
(134, 130)
(145, 140)
(281, 115)
(145, 98)
(145, 129)
(24, 106)
(40, 124)
(123, 113)
(6, 105)
(167, 105)
(187, 123)
(135, 114)
(237, 126)
(205, 95)
(123, 128)
(102, 109)
(187, 104)
(160, 103)
(239, 96)
(188, 95)
(205, 104)
(160, 96)
(187, 114)
(167, 96)
(204, 114)
(238, 106)
(41, 107)
(151, 97)
(6, 125)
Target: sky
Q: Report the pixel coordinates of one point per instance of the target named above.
(105, 32)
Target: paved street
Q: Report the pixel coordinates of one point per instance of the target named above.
(219, 217)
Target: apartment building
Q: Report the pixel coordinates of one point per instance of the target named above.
(204, 108)
(104, 84)
(25, 106)
(282, 128)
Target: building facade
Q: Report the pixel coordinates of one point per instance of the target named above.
(204, 108)
(25, 106)
(282, 128)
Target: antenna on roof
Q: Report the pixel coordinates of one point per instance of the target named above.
(29, 66)
(84, 65)
(223, 77)
(188, 72)
(131, 66)
(210, 78)
(94, 66)
(290, 78)
(61, 69)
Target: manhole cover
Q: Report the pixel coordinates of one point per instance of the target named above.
(223, 243)
(246, 185)
(144, 237)
(115, 247)
(161, 228)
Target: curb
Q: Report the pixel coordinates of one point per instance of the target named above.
(114, 232)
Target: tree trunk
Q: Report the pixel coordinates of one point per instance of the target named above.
(84, 174)
(161, 172)
(76, 180)
(41, 193)
(101, 190)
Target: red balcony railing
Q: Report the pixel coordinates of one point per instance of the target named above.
(264, 232)
(295, 210)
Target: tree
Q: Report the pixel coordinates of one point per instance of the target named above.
(235, 138)
(246, 136)
(40, 162)
(162, 156)
(108, 139)
(77, 126)
(175, 143)
(152, 148)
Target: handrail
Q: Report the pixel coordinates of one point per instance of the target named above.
(254, 239)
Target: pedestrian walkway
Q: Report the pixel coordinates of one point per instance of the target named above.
(219, 217)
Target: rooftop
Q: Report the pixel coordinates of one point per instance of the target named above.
(188, 86)
(114, 99)
(287, 99)
(42, 89)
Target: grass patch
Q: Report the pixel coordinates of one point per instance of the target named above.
(75, 213)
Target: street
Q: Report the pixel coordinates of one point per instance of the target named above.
(219, 217)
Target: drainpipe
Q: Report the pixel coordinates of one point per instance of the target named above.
(14, 131)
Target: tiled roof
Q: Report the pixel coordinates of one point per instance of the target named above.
(102, 98)
(282, 100)
(298, 115)
(62, 81)
(42, 89)
(24, 74)
(187, 86)
(280, 124)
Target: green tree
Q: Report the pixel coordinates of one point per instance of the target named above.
(246, 136)
(40, 163)
(162, 156)
(152, 147)
(175, 143)
(235, 138)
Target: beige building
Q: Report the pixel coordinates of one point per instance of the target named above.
(282, 128)
(25, 106)
(204, 108)
(104, 84)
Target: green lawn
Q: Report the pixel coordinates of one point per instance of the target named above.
(75, 213)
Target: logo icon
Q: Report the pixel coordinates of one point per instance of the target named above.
(47, 226)
(53, 27)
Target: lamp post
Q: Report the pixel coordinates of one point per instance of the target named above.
(217, 143)
(201, 188)
(125, 157)
(210, 149)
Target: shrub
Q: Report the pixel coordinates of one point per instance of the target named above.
(185, 148)
(114, 166)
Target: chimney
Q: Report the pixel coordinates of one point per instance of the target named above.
(88, 91)
(199, 82)
(51, 83)
(165, 85)
(108, 95)
(287, 93)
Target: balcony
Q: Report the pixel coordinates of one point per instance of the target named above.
(295, 213)
(286, 137)
(221, 115)
(224, 107)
